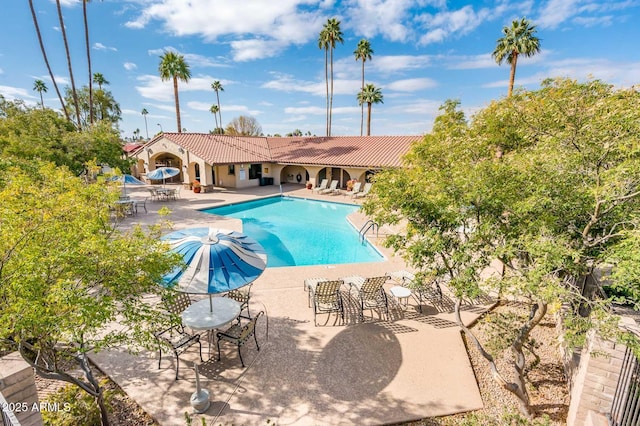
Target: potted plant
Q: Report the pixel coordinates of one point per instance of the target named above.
(309, 185)
(196, 186)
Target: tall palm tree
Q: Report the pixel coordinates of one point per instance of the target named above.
(99, 79)
(40, 87)
(46, 60)
(370, 95)
(363, 52)
(66, 48)
(144, 114)
(323, 43)
(330, 35)
(173, 67)
(214, 110)
(217, 86)
(519, 39)
(86, 39)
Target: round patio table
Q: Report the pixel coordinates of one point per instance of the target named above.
(401, 294)
(210, 314)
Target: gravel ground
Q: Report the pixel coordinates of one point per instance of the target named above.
(547, 386)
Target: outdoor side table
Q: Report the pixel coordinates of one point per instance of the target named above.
(210, 314)
(401, 294)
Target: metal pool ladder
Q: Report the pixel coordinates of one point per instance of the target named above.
(368, 225)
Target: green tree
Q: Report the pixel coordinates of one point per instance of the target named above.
(244, 126)
(518, 39)
(173, 67)
(144, 114)
(329, 36)
(46, 60)
(69, 66)
(40, 87)
(563, 199)
(103, 102)
(370, 95)
(63, 281)
(53, 138)
(363, 53)
(217, 87)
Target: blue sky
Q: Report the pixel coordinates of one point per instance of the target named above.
(266, 55)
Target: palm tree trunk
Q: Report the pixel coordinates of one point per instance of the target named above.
(326, 83)
(369, 119)
(66, 47)
(331, 98)
(512, 74)
(219, 110)
(146, 128)
(86, 39)
(46, 61)
(362, 105)
(215, 116)
(41, 100)
(175, 92)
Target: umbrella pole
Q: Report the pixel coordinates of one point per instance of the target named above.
(210, 303)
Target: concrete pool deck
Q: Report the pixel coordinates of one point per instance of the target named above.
(397, 369)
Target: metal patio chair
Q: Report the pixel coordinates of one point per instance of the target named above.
(239, 334)
(177, 337)
(326, 298)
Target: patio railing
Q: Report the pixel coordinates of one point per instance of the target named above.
(8, 418)
(625, 408)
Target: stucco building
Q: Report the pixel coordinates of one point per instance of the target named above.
(241, 161)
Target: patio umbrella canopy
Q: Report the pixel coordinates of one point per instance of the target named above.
(126, 179)
(163, 173)
(218, 260)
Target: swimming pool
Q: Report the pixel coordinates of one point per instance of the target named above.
(296, 231)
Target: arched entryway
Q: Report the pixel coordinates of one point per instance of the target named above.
(165, 159)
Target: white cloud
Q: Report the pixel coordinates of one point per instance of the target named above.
(152, 86)
(193, 59)
(257, 29)
(411, 84)
(1, 71)
(100, 46)
(381, 17)
(474, 62)
(399, 63)
(313, 110)
(130, 66)
(586, 13)
(14, 93)
(444, 24)
(556, 12)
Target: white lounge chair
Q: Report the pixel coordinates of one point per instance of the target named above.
(322, 187)
(365, 190)
(332, 188)
(356, 189)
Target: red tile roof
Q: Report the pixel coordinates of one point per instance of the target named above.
(354, 151)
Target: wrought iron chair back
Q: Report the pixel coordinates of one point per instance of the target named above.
(239, 334)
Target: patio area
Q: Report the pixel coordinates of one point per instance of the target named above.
(405, 367)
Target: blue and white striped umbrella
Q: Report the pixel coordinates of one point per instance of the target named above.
(163, 173)
(218, 260)
(126, 179)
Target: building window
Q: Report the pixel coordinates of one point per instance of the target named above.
(232, 169)
(255, 171)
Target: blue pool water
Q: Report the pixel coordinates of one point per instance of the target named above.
(296, 232)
